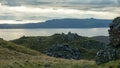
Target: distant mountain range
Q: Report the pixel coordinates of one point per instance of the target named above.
(63, 23)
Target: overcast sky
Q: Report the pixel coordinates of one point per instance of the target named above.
(26, 11)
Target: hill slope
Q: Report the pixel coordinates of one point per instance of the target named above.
(16, 56)
(9, 50)
(87, 46)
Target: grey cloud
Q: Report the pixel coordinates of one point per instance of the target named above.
(6, 17)
(55, 2)
(72, 4)
(118, 2)
(10, 2)
(36, 17)
(85, 5)
(23, 2)
(96, 5)
(23, 16)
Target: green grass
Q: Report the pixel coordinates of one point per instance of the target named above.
(16, 56)
(9, 50)
(50, 62)
(87, 46)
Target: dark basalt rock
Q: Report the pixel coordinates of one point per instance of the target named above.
(68, 37)
(112, 51)
(63, 51)
(114, 32)
(107, 54)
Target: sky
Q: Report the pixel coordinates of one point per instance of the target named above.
(33, 11)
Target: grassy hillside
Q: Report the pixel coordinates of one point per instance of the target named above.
(16, 56)
(9, 50)
(87, 46)
(48, 62)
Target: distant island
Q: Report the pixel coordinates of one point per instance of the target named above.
(63, 23)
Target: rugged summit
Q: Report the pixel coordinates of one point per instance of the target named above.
(114, 32)
(70, 36)
(112, 51)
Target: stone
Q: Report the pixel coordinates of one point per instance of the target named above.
(107, 54)
(114, 32)
(70, 36)
(63, 51)
(112, 51)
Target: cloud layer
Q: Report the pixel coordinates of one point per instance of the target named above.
(24, 11)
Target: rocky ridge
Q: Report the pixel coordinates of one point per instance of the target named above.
(112, 51)
(114, 32)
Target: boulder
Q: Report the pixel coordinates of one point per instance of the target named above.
(112, 51)
(63, 51)
(107, 54)
(114, 32)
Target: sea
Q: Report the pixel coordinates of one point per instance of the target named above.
(11, 34)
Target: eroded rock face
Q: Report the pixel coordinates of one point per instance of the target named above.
(63, 51)
(112, 51)
(114, 32)
(107, 54)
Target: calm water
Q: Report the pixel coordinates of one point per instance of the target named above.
(10, 34)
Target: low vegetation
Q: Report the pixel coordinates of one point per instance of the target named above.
(27, 52)
(49, 62)
(87, 46)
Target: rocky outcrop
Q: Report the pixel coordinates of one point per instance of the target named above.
(63, 51)
(107, 54)
(112, 51)
(114, 32)
(68, 37)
